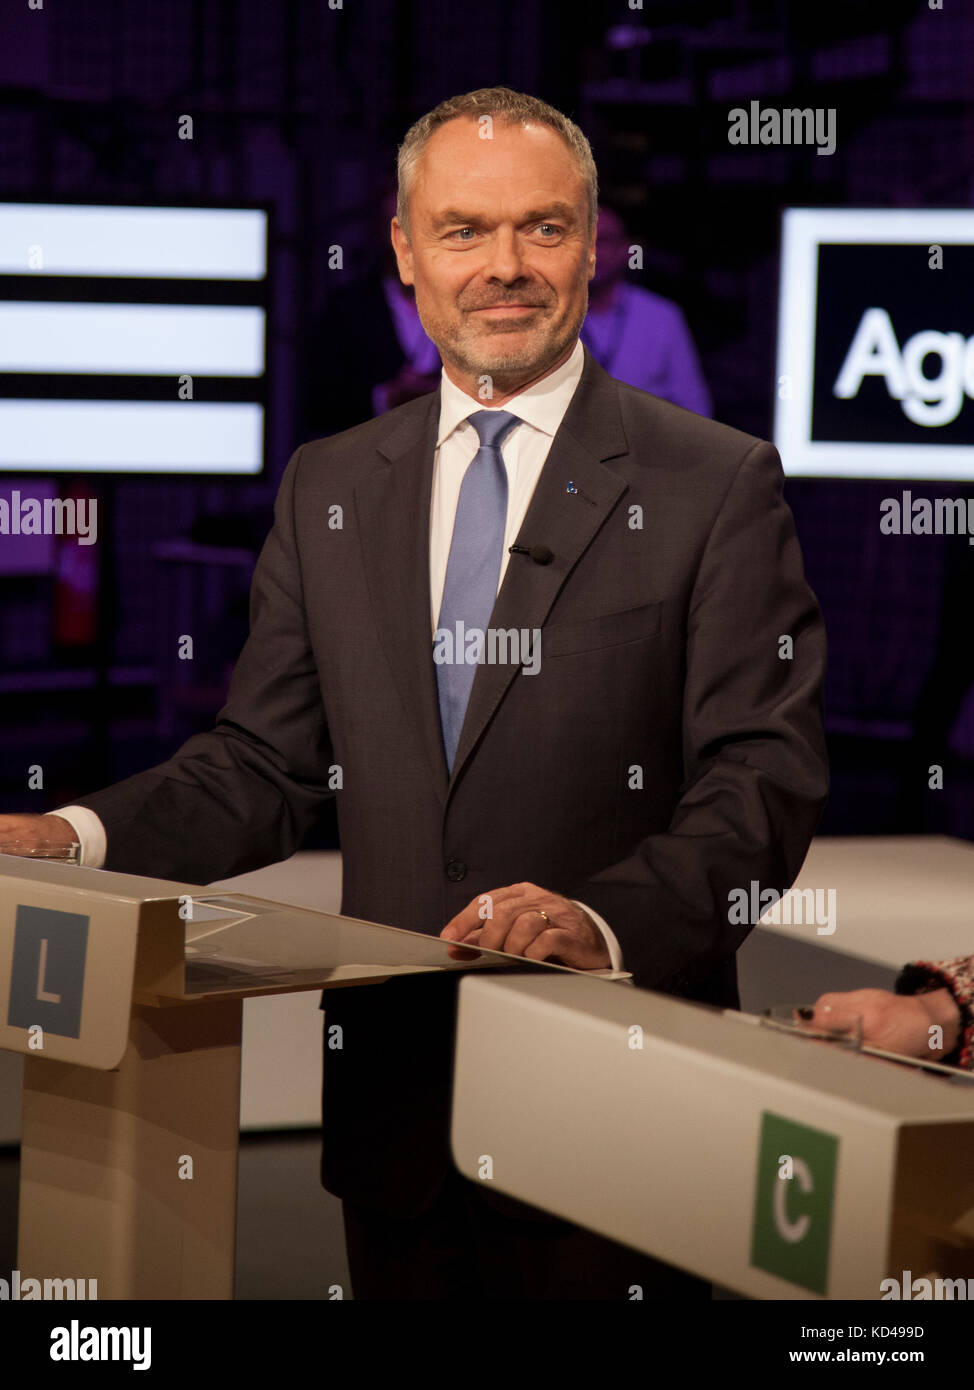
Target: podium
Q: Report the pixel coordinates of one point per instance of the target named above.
(774, 1164)
(125, 996)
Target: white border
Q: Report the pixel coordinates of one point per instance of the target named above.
(157, 243)
(173, 437)
(803, 231)
(131, 339)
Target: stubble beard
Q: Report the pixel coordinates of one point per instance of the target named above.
(506, 368)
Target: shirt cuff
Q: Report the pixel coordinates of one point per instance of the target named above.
(615, 950)
(90, 832)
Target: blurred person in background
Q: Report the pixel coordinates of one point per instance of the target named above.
(635, 335)
(369, 351)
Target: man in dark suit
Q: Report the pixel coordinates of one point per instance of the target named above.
(605, 793)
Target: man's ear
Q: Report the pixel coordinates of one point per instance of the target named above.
(404, 254)
(591, 256)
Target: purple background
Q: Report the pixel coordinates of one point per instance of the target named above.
(302, 106)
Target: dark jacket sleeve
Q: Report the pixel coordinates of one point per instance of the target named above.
(756, 769)
(243, 794)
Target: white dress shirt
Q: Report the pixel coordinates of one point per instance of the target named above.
(541, 408)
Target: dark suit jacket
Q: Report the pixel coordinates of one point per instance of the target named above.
(676, 572)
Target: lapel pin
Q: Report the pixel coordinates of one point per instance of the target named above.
(577, 491)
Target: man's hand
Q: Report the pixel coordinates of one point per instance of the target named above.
(36, 831)
(510, 919)
(894, 1022)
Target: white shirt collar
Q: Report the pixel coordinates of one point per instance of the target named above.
(542, 404)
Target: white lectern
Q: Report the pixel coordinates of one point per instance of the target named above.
(124, 994)
(780, 1166)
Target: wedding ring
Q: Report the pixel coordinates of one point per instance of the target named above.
(544, 915)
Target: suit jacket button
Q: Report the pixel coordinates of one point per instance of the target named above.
(456, 870)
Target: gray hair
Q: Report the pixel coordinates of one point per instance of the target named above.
(503, 104)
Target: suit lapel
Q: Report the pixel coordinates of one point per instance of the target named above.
(393, 508)
(565, 521)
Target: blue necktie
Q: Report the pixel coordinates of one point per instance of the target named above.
(473, 568)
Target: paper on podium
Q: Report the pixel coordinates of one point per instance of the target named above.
(79, 946)
(234, 939)
(801, 1029)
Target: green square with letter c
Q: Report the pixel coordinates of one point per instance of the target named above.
(793, 1214)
